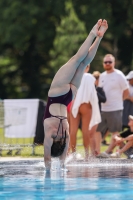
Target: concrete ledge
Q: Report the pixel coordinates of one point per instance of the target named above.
(3, 159)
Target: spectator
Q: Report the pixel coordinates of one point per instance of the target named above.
(102, 99)
(100, 91)
(115, 85)
(125, 136)
(128, 103)
(86, 109)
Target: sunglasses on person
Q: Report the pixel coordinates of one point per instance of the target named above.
(107, 62)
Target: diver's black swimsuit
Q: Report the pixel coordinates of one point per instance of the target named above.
(59, 127)
(64, 99)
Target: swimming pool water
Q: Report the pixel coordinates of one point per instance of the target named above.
(28, 180)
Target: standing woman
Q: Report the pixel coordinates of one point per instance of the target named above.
(63, 89)
(85, 108)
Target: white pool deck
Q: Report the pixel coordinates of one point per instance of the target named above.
(20, 158)
(15, 158)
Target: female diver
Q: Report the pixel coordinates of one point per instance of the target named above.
(63, 89)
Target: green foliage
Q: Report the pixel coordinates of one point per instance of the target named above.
(69, 36)
(119, 38)
(71, 33)
(27, 31)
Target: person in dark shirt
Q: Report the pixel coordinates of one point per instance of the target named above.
(125, 136)
(100, 137)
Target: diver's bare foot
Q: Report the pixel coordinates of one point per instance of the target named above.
(96, 27)
(103, 28)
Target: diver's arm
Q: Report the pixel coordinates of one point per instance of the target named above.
(48, 141)
(63, 156)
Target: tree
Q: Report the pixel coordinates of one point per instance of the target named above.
(27, 32)
(119, 38)
(70, 34)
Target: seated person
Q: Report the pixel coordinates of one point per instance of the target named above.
(126, 148)
(128, 102)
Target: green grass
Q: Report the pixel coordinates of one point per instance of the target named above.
(38, 150)
(26, 144)
(80, 142)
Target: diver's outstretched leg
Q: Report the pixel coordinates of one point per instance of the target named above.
(66, 73)
(90, 56)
